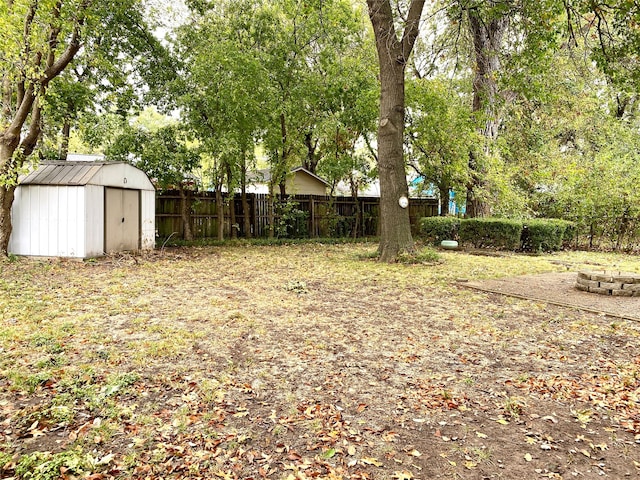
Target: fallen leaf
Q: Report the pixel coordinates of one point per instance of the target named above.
(502, 421)
(389, 436)
(404, 475)
(414, 453)
(329, 453)
(106, 459)
(585, 453)
(351, 450)
(481, 435)
(528, 457)
(371, 461)
(470, 465)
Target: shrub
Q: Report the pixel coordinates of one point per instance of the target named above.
(491, 232)
(546, 235)
(436, 229)
(291, 221)
(570, 231)
(541, 235)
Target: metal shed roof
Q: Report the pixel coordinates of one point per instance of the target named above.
(87, 173)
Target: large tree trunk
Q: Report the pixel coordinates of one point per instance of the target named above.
(393, 54)
(311, 162)
(487, 35)
(6, 227)
(9, 142)
(444, 199)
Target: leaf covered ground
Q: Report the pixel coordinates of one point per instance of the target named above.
(309, 361)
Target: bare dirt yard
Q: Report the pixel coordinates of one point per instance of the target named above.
(310, 361)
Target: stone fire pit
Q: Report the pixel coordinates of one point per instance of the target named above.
(620, 284)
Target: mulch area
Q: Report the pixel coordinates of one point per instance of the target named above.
(559, 289)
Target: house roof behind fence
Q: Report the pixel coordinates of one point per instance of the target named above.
(264, 175)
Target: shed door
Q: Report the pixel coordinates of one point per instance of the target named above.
(122, 220)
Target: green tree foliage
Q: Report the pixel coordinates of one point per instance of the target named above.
(441, 133)
(272, 73)
(40, 40)
(165, 154)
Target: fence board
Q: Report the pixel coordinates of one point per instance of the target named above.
(323, 216)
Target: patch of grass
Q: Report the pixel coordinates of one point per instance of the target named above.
(425, 255)
(177, 356)
(46, 466)
(27, 381)
(514, 406)
(296, 286)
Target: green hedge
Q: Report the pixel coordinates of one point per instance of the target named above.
(436, 229)
(498, 233)
(537, 235)
(546, 235)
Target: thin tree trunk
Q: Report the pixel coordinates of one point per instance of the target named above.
(358, 211)
(232, 215)
(185, 214)
(64, 145)
(220, 212)
(271, 216)
(246, 211)
(231, 197)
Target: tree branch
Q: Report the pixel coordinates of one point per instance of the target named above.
(412, 28)
(53, 33)
(57, 66)
(29, 142)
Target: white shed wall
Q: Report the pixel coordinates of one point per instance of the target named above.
(148, 220)
(48, 221)
(94, 221)
(63, 220)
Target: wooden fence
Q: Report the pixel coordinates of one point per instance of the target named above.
(298, 216)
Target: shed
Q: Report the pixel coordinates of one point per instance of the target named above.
(83, 209)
